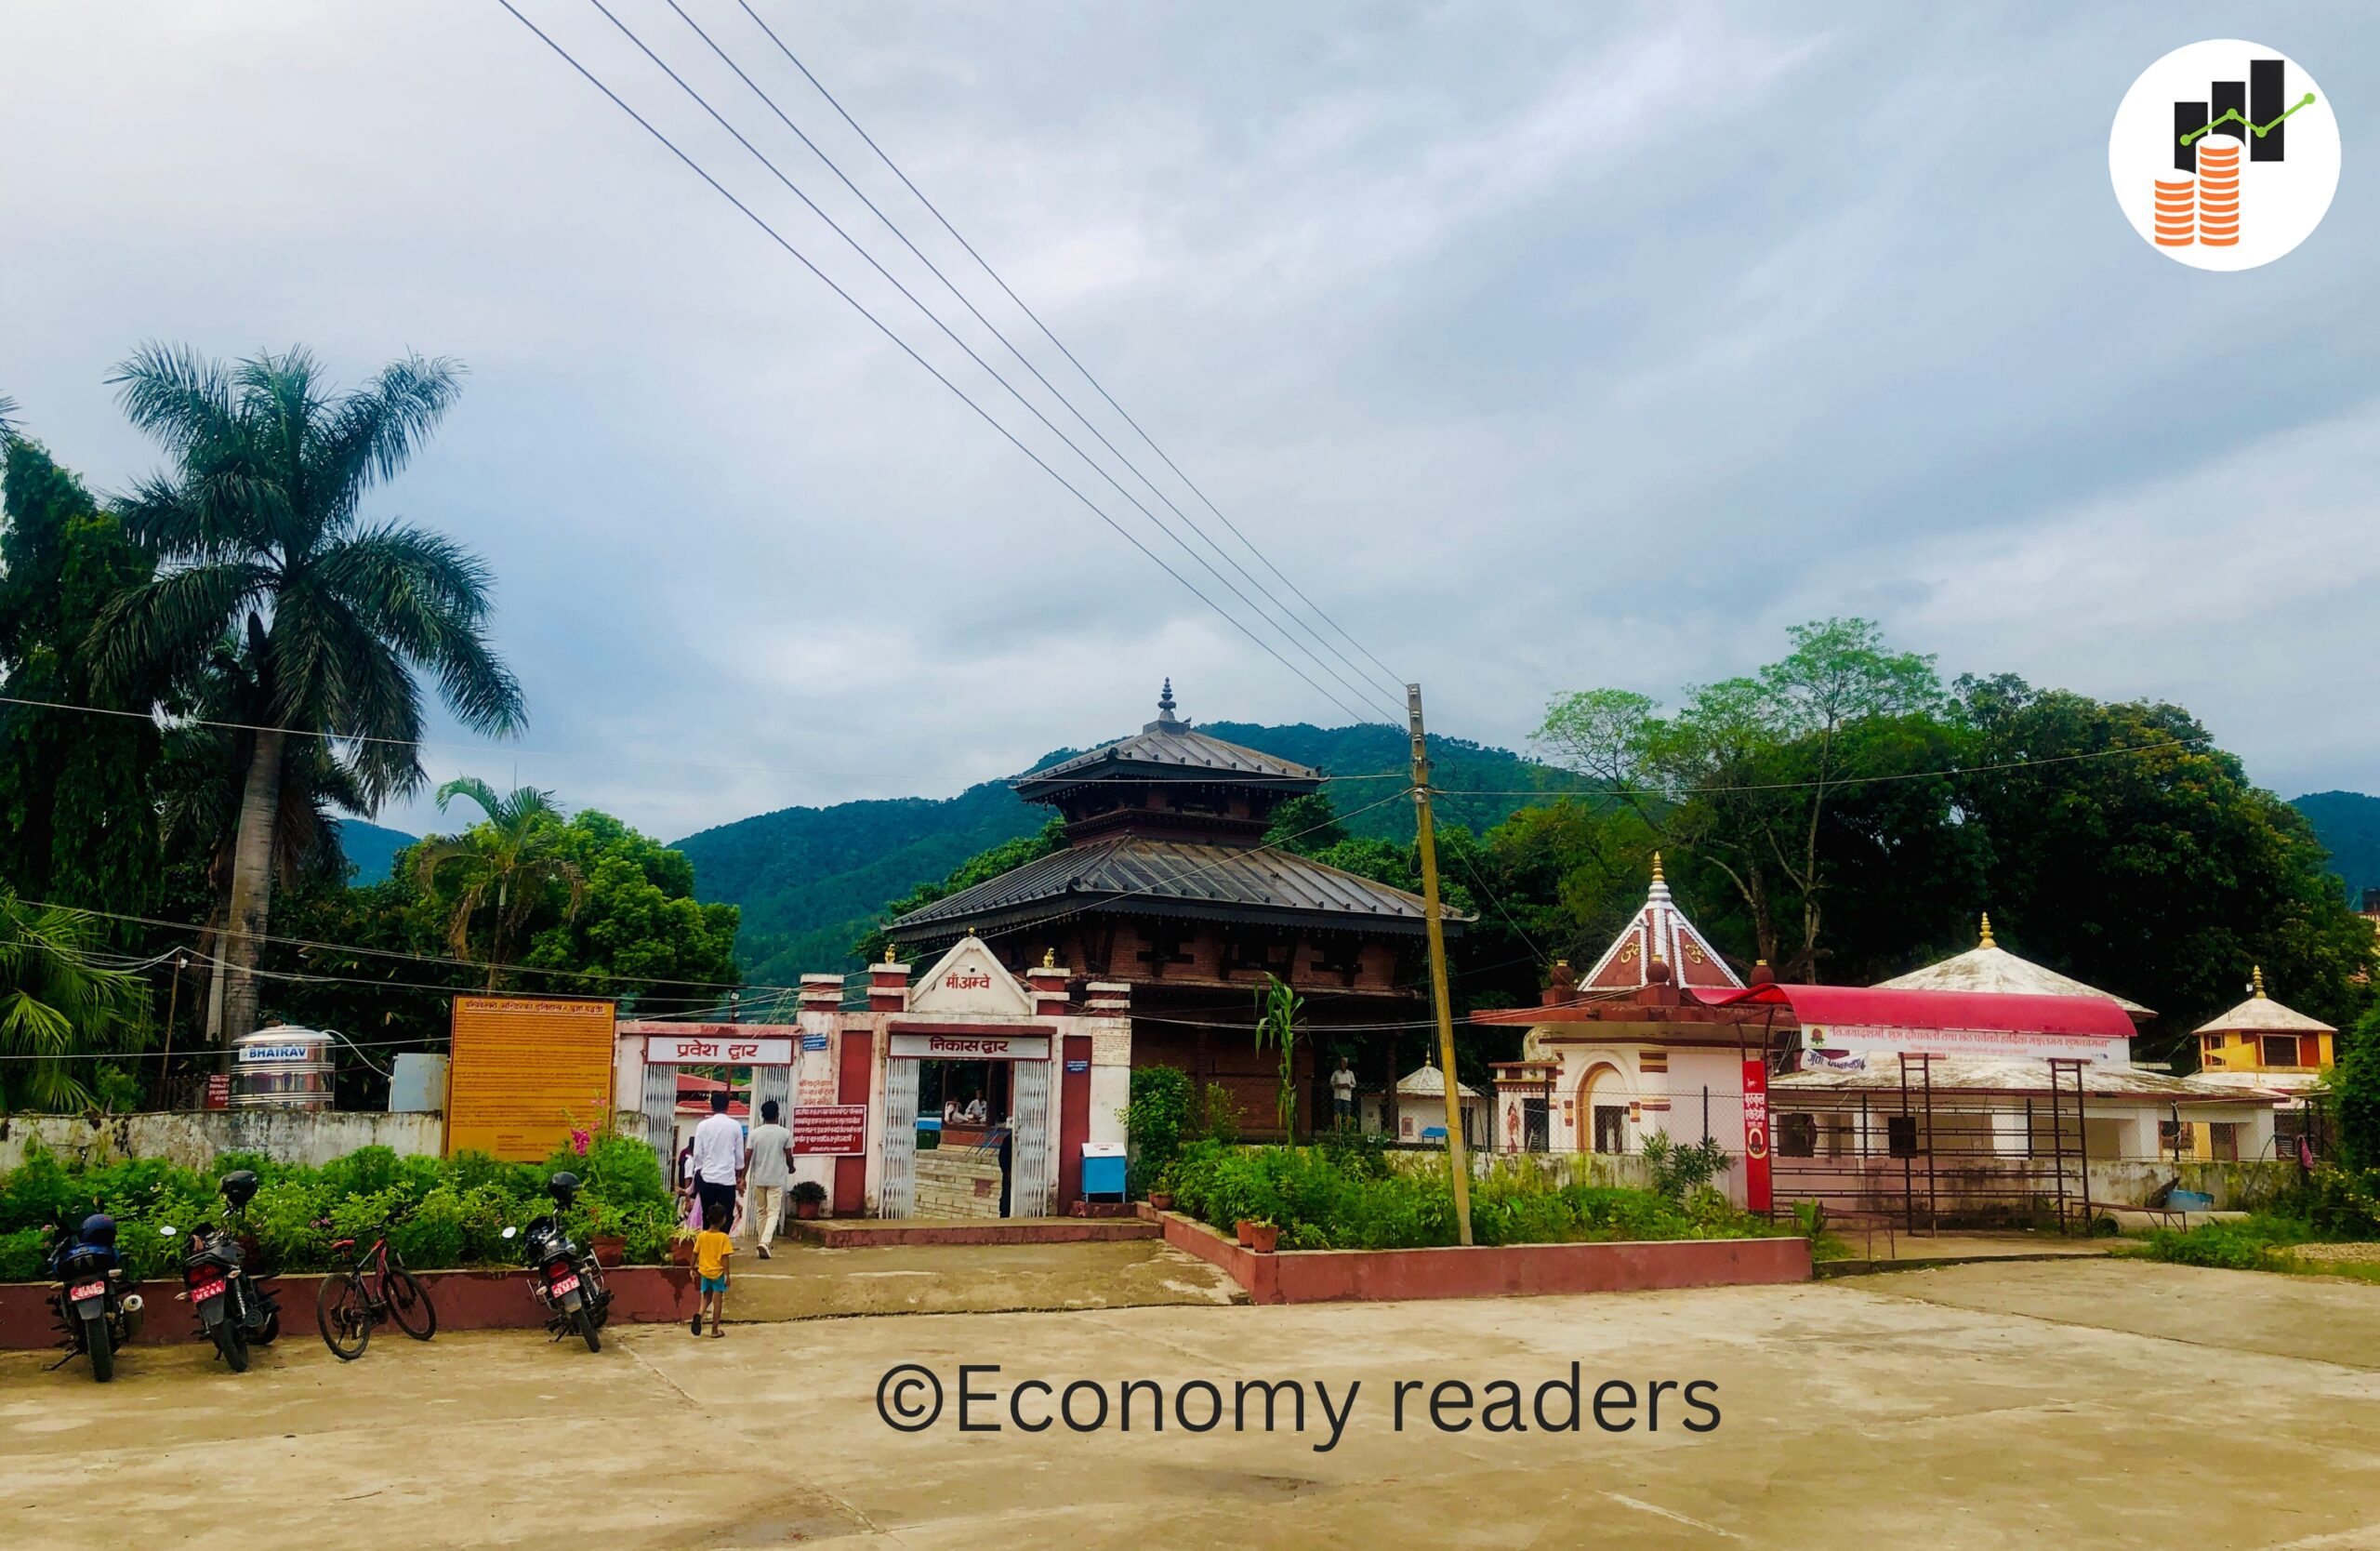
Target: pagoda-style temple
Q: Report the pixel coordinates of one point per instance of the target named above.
(1165, 884)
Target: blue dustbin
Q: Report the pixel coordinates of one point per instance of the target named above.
(1102, 1169)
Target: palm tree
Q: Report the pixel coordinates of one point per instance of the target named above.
(505, 866)
(262, 556)
(57, 1002)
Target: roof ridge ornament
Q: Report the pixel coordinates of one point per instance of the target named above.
(1986, 941)
(1165, 700)
(2257, 974)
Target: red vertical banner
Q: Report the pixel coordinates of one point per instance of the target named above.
(1756, 1186)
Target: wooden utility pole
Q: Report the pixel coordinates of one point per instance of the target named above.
(1458, 1154)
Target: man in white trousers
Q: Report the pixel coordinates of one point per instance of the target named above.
(770, 1170)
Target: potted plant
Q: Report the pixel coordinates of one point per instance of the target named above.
(603, 1236)
(1246, 1229)
(682, 1247)
(1263, 1235)
(1161, 1190)
(809, 1196)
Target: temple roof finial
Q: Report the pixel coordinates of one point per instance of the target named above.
(1656, 867)
(1987, 932)
(2257, 974)
(1165, 701)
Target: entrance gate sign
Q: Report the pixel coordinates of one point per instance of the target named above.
(524, 1071)
(829, 1130)
(689, 1050)
(971, 1047)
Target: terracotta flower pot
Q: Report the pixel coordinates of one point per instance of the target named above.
(1246, 1231)
(1264, 1238)
(682, 1252)
(1161, 1200)
(806, 1211)
(610, 1249)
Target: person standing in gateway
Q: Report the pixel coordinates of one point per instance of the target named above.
(719, 1159)
(771, 1169)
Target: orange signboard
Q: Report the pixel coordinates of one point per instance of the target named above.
(524, 1070)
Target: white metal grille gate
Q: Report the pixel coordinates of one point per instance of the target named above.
(1029, 1181)
(896, 1194)
(660, 1109)
(772, 1084)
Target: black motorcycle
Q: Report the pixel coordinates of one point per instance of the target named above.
(566, 1281)
(234, 1309)
(96, 1314)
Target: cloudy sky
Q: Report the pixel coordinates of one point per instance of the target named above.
(1545, 347)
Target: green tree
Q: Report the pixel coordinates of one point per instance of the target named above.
(1745, 776)
(59, 1003)
(76, 790)
(263, 551)
(2128, 850)
(1308, 825)
(640, 926)
(502, 871)
(2354, 1089)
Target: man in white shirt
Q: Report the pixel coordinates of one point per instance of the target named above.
(1343, 1095)
(770, 1171)
(719, 1158)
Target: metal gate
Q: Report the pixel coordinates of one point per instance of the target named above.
(1920, 1159)
(660, 1107)
(896, 1193)
(772, 1084)
(1029, 1181)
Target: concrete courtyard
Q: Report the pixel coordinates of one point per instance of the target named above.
(2080, 1403)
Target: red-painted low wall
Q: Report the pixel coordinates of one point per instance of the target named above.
(828, 1233)
(464, 1299)
(1509, 1270)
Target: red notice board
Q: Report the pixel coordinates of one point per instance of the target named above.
(829, 1130)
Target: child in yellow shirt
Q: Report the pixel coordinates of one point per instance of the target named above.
(712, 1249)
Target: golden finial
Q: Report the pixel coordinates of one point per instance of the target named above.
(1761, 964)
(1656, 867)
(892, 951)
(1987, 932)
(1049, 958)
(2257, 973)
(1561, 963)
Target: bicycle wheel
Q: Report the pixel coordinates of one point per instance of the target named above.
(343, 1315)
(409, 1303)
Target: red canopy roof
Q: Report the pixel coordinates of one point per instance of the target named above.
(1881, 1007)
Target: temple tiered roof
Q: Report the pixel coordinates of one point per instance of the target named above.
(1989, 967)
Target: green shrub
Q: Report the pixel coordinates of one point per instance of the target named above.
(436, 1213)
(1681, 1168)
(1155, 1119)
(1347, 1198)
(23, 1254)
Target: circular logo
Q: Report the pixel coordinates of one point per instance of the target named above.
(2225, 154)
(1756, 1141)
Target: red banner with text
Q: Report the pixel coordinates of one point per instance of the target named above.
(1757, 1187)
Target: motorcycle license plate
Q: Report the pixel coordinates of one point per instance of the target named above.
(206, 1290)
(89, 1290)
(565, 1284)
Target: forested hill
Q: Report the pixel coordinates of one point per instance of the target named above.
(2348, 823)
(811, 880)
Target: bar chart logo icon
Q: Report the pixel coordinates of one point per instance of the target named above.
(2225, 154)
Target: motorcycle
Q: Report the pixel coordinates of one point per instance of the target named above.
(566, 1281)
(96, 1314)
(234, 1309)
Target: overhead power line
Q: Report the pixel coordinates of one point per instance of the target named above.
(906, 349)
(1097, 387)
(961, 296)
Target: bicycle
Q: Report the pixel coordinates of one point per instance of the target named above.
(375, 1286)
